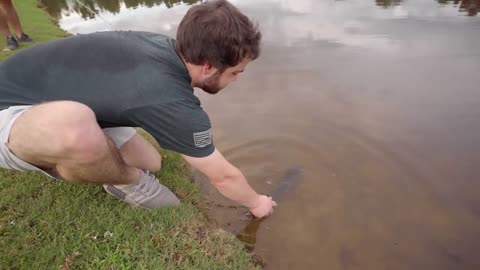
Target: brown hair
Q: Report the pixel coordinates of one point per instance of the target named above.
(217, 33)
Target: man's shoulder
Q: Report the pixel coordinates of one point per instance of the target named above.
(137, 40)
(127, 33)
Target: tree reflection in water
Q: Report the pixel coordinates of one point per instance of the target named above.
(470, 7)
(85, 7)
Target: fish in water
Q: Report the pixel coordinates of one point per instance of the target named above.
(287, 184)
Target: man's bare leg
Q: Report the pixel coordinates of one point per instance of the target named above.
(65, 136)
(140, 153)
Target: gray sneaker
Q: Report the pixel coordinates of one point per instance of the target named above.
(12, 44)
(148, 193)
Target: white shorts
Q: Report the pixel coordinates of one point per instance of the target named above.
(8, 160)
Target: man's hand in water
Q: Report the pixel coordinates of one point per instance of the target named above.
(263, 207)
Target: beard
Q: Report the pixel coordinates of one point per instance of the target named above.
(212, 84)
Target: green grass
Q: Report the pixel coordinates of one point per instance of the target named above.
(46, 224)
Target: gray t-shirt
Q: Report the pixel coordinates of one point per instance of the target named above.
(127, 78)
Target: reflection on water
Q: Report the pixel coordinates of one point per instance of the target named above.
(90, 8)
(377, 101)
(471, 7)
(388, 3)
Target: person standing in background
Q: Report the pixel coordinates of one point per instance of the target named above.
(8, 16)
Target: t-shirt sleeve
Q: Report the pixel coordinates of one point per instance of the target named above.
(178, 126)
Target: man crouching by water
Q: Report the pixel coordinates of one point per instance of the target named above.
(68, 107)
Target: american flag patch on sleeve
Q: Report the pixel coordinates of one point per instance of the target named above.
(202, 139)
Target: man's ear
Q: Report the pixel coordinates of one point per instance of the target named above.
(208, 70)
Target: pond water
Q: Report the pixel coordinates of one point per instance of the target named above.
(377, 102)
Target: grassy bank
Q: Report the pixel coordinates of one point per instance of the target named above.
(46, 224)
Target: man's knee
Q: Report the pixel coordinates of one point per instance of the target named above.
(82, 137)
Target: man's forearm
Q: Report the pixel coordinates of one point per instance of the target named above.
(231, 183)
(236, 188)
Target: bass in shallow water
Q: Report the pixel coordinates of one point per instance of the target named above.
(287, 184)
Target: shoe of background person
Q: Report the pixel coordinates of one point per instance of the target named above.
(148, 193)
(12, 44)
(24, 38)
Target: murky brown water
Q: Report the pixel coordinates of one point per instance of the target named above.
(377, 101)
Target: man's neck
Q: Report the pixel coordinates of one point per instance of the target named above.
(194, 71)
